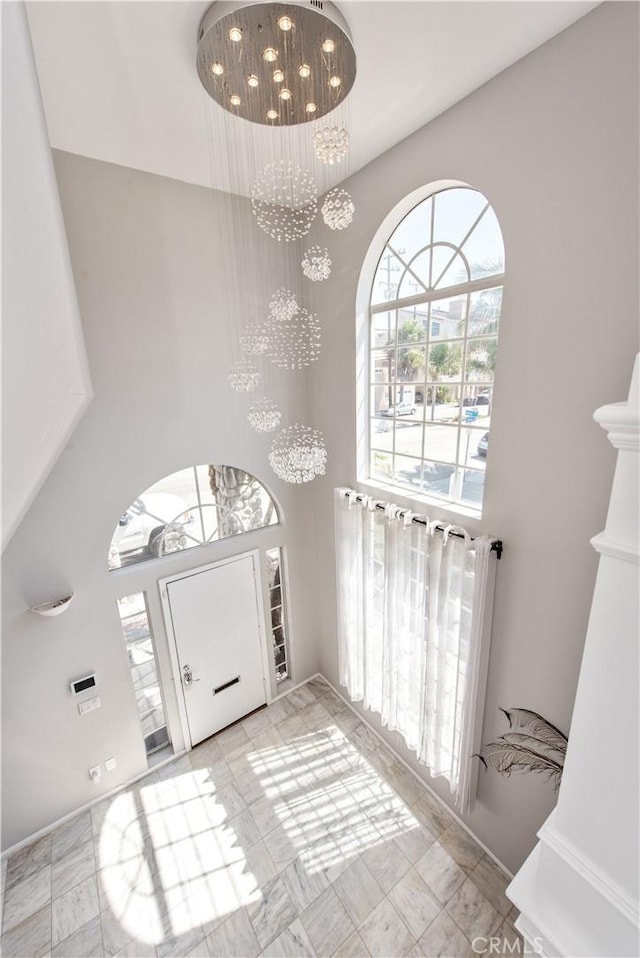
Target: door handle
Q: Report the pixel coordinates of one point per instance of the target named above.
(187, 677)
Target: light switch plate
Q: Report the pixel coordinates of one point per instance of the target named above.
(89, 705)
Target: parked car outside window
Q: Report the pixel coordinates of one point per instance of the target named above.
(401, 409)
(155, 522)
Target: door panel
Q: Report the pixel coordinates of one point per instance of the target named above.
(217, 633)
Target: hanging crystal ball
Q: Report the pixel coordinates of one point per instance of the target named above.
(264, 415)
(254, 340)
(298, 454)
(283, 305)
(316, 264)
(331, 144)
(284, 200)
(338, 209)
(244, 377)
(295, 342)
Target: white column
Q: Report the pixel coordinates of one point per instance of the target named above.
(578, 890)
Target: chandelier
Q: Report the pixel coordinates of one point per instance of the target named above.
(278, 64)
(298, 454)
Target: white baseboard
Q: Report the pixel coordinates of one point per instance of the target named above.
(83, 808)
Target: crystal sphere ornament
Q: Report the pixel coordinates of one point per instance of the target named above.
(283, 305)
(244, 377)
(331, 144)
(254, 340)
(298, 454)
(316, 264)
(284, 200)
(338, 209)
(264, 415)
(294, 343)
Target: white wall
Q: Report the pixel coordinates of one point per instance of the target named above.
(553, 144)
(153, 263)
(45, 378)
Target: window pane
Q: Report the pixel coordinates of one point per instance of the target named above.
(441, 443)
(473, 448)
(381, 465)
(484, 249)
(412, 326)
(409, 438)
(278, 623)
(383, 329)
(484, 318)
(408, 472)
(473, 486)
(445, 363)
(417, 275)
(481, 359)
(451, 316)
(414, 231)
(385, 283)
(410, 364)
(456, 211)
(142, 662)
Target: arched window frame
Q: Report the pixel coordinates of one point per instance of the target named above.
(187, 528)
(366, 308)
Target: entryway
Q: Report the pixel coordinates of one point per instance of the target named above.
(214, 624)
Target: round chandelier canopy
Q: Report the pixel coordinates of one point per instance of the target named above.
(278, 64)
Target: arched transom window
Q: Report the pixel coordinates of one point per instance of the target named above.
(433, 336)
(190, 508)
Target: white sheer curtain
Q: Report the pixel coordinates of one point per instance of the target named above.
(413, 621)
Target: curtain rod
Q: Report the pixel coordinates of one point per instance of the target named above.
(496, 544)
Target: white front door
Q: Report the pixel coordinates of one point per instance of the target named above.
(215, 619)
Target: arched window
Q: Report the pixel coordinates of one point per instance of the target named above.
(433, 334)
(190, 508)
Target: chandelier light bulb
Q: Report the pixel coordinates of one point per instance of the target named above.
(283, 305)
(328, 46)
(235, 34)
(335, 82)
(278, 76)
(311, 108)
(285, 24)
(253, 81)
(304, 71)
(316, 264)
(270, 55)
(298, 454)
(254, 340)
(284, 200)
(264, 415)
(235, 100)
(272, 114)
(217, 69)
(338, 209)
(295, 342)
(285, 94)
(331, 144)
(244, 377)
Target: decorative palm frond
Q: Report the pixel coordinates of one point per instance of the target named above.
(531, 745)
(536, 726)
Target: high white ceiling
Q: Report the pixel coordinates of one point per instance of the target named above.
(119, 82)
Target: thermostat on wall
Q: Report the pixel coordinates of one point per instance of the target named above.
(84, 684)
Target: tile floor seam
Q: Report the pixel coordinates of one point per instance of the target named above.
(318, 766)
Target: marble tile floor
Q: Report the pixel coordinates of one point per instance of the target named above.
(295, 832)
